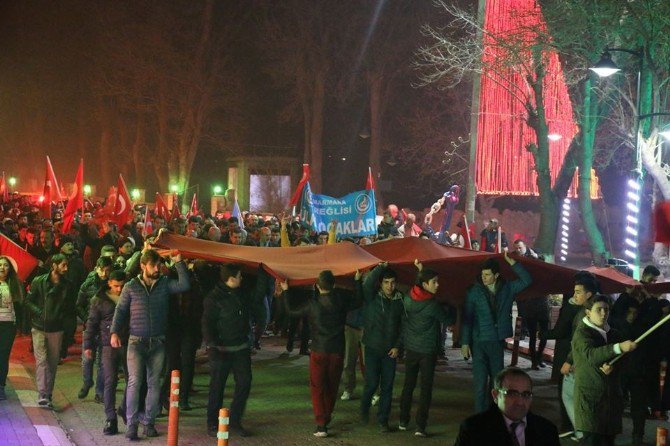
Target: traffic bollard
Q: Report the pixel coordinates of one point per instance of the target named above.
(173, 418)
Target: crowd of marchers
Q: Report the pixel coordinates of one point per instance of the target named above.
(136, 309)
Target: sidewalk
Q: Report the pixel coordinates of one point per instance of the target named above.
(278, 412)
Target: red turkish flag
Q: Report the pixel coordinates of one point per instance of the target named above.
(301, 185)
(25, 263)
(370, 183)
(662, 222)
(123, 205)
(55, 188)
(4, 195)
(161, 208)
(175, 207)
(76, 199)
(194, 207)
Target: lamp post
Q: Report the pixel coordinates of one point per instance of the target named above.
(604, 68)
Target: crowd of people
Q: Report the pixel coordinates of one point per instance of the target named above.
(137, 307)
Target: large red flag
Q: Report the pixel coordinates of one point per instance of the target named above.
(55, 188)
(370, 183)
(161, 208)
(175, 207)
(298, 191)
(4, 195)
(194, 207)
(76, 199)
(122, 206)
(25, 263)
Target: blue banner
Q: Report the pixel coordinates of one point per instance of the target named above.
(354, 213)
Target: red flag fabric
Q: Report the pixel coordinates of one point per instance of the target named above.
(370, 183)
(55, 188)
(76, 199)
(161, 208)
(4, 195)
(298, 191)
(25, 263)
(662, 222)
(194, 207)
(122, 206)
(175, 207)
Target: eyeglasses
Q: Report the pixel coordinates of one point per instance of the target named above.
(511, 393)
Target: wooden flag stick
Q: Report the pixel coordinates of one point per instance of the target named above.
(644, 335)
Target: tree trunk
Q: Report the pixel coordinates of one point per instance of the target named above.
(596, 242)
(653, 168)
(316, 136)
(376, 130)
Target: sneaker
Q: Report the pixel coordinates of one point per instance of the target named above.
(237, 430)
(83, 392)
(375, 400)
(420, 433)
(111, 427)
(321, 432)
(150, 430)
(346, 396)
(43, 402)
(131, 433)
(384, 428)
(402, 427)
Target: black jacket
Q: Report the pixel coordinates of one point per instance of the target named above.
(227, 311)
(327, 315)
(99, 322)
(87, 291)
(47, 303)
(488, 428)
(382, 316)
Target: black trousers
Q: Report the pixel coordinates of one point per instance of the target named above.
(535, 325)
(416, 363)
(111, 359)
(220, 366)
(593, 439)
(7, 335)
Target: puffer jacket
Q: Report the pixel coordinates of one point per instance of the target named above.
(421, 325)
(481, 322)
(99, 322)
(144, 309)
(87, 291)
(381, 315)
(47, 303)
(227, 311)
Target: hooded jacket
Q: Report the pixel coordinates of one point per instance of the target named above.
(485, 320)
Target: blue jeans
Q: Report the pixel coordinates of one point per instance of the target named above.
(87, 370)
(145, 354)
(487, 361)
(379, 372)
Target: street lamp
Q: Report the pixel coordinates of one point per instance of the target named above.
(217, 190)
(174, 188)
(87, 189)
(135, 194)
(12, 181)
(604, 68)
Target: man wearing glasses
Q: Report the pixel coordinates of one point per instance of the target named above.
(509, 422)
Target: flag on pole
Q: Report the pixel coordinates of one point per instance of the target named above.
(194, 207)
(55, 188)
(122, 205)
(238, 214)
(25, 263)
(175, 207)
(45, 199)
(147, 222)
(370, 183)
(4, 194)
(298, 191)
(161, 209)
(76, 199)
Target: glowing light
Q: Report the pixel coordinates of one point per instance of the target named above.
(174, 188)
(630, 254)
(217, 190)
(631, 207)
(633, 196)
(566, 206)
(564, 252)
(41, 199)
(566, 213)
(631, 243)
(565, 227)
(566, 200)
(344, 159)
(563, 259)
(632, 231)
(135, 194)
(565, 220)
(564, 233)
(633, 184)
(554, 137)
(87, 189)
(564, 245)
(633, 219)
(12, 181)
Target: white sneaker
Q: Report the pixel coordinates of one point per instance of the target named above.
(346, 396)
(375, 400)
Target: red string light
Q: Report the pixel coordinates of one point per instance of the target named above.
(504, 165)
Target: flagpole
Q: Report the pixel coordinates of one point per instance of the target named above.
(467, 230)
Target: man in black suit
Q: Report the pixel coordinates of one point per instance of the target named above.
(508, 422)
